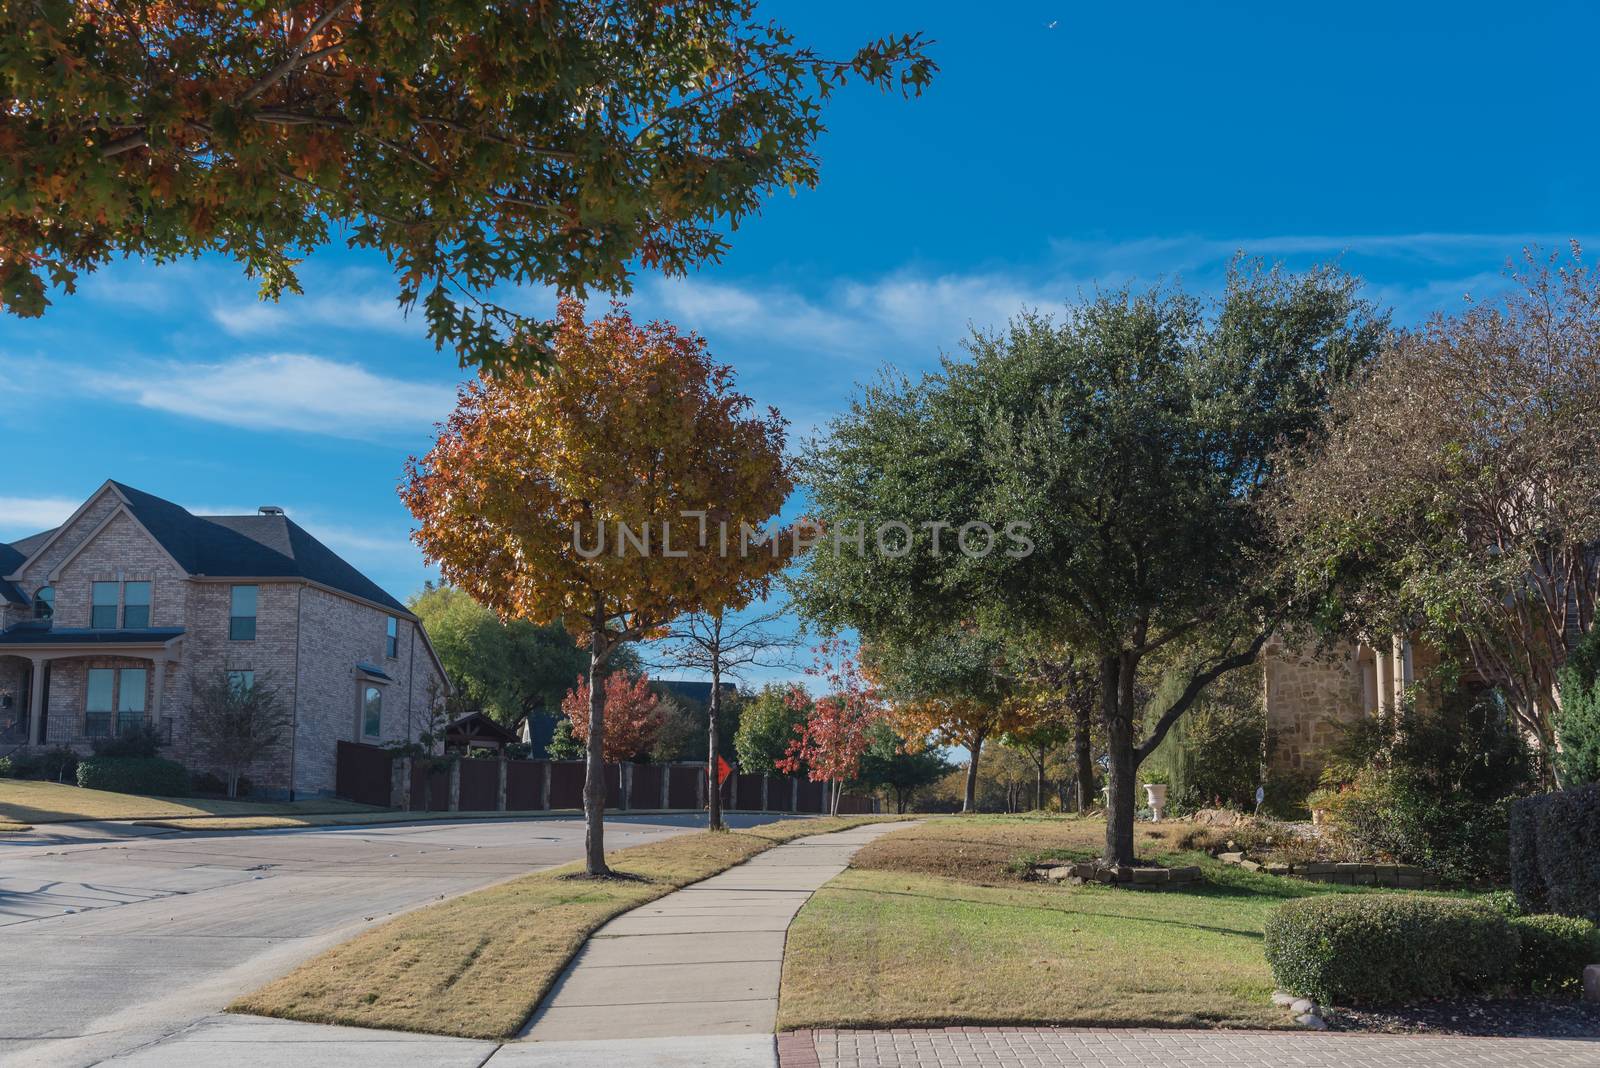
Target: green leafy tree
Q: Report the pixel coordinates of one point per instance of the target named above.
(478, 147)
(1578, 722)
(1114, 463)
(891, 764)
(564, 744)
(508, 668)
(769, 723)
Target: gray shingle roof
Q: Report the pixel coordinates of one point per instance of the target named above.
(233, 546)
(30, 634)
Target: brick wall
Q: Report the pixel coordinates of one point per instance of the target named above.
(336, 634)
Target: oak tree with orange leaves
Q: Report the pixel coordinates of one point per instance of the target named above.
(948, 688)
(474, 145)
(598, 495)
(633, 715)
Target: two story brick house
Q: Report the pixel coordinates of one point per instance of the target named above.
(107, 620)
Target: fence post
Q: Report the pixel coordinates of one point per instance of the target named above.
(500, 791)
(625, 785)
(455, 786)
(544, 787)
(733, 790)
(764, 778)
(794, 793)
(701, 800)
(666, 784)
(400, 783)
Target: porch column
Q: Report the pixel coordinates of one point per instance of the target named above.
(1385, 665)
(36, 700)
(157, 690)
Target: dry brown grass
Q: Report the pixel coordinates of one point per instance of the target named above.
(477, 966)
(29, 801)
(996, 850)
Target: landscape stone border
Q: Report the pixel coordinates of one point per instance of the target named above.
(1090, 871)
(1400, 876)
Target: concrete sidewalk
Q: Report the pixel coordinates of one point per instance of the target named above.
(705, 960)
(689, 979)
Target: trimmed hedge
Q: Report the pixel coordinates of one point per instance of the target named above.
(1555, 852)
(134, 775)
(1554, 951)
(1388, 948)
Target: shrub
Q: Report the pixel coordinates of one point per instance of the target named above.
(57, 764)
(141, 741)
(1388, 948)
(1578, 722)
(20, 766)
(1554, 951)
(1555, 852)
(134, 775)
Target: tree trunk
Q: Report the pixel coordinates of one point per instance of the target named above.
(1119, 737)
(969, 803)
(838, 790)
(1085, 756)
(713, 787)
(594, 781)
(1038, 788)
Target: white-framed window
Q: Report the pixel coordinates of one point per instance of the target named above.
(103, 605)
(391, 638)
(242, 613)
(135, 605)
(131, 683)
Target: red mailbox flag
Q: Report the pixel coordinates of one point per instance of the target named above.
(723, 770)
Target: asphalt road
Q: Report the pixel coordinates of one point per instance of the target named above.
(109, 943)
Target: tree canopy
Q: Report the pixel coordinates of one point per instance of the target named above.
(1113, 464)
(768, 723)
(595, 495)
(507, 668)
(476, 146)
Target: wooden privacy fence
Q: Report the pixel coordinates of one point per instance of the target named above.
(374, 776)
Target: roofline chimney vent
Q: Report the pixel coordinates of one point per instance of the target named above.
(269, 509)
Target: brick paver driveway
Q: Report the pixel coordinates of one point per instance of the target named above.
(1027, 1047)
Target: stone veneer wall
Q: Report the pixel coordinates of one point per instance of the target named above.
(1310, 694)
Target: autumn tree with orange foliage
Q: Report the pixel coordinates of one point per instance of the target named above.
(596, 495)
(474, 145)
(633, 715)
(948, 689)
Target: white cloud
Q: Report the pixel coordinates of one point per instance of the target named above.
(21, 516)
(288, 391)
(348, 311)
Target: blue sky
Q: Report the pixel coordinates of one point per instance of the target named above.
(1062, 145)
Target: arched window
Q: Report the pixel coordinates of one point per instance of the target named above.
(44, 602)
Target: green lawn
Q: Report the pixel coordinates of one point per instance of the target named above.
(24, 801)
(936, 925)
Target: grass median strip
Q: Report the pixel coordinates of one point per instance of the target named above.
(477, 966)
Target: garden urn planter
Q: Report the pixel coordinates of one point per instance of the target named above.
(1156, 794)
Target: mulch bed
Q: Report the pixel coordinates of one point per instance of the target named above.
(1502, 1017)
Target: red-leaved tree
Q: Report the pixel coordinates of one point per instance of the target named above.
(633, 715)
(830, 743)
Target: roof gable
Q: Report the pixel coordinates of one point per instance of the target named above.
(241, 546)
